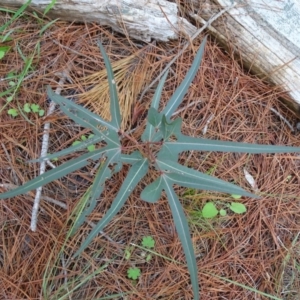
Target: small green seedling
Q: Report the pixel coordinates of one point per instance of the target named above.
(133, 273)
(148, 242)
(13, 112)
(35, 108)
(210, 209)
(27, 108)
(90, 148)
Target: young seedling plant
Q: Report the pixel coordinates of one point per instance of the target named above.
(157, 150)
(148, 243)
(27, 108)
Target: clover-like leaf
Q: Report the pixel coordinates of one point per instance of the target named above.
(35, 108)
(27, 108)
(148, 242)
(13, 112)
(134, 273)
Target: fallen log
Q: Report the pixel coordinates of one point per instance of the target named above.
(265, 34)
(143, 19)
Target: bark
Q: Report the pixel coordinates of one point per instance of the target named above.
(265, 34)
(140, 19)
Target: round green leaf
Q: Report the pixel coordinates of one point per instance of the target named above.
(236, 196)
(223, 212)
(76, 143)
(238, 208)
(209, 210)
(41, 112)
(27, 108)
(91, 148)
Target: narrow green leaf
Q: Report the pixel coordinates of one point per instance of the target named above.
(79, 114)
(152, 192)
(132, 158)
(149, 131)
(183, 233)
(16, 15)
(209, 210)
(56, 173)
(194, 179)
(114, 101)
(135, 174)
(185, 143)
(45, 27)
(49, 6)
(178, 95)
(75, 147)
(238, 208)
(103, 174)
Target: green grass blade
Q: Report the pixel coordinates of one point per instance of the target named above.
(149, 130)
(185, 143)
(178, 95)
(78, 113)
(184, 234)
(195, 179)
(49, 6)
(45, 27)
(16, 15)
(114, 101)
(249, 288)
(135, 174)
(56, 173)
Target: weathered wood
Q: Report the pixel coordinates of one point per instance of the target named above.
(265, 34)
(140, 19)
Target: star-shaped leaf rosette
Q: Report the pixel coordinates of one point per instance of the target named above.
(158, 148)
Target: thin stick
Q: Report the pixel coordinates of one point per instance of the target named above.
(45, 144)
(186, 45)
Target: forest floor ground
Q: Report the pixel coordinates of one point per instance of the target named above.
(254, 255)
